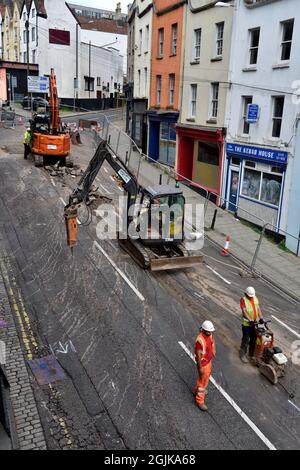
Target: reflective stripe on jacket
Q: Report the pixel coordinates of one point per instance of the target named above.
(206, 346)
(27, 138)
(252, 310)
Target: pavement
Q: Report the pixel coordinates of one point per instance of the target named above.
(123, 337)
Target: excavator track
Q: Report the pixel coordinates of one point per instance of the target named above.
(159, 259)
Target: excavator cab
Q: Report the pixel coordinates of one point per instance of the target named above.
(165, 206)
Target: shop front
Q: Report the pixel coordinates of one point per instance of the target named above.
(162, 136)
(255, 182)
(200, 156)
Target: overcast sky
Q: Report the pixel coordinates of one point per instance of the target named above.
(105, 4)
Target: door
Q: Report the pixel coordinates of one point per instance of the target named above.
(233, 191)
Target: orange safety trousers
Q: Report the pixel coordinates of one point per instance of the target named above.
(202, 384)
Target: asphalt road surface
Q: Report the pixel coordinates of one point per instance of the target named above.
(124, 336)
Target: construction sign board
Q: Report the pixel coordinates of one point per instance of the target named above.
(38, 84)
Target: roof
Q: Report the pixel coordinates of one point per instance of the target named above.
(104, 25)
(39, 6)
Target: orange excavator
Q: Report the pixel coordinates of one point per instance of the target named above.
(48, 138)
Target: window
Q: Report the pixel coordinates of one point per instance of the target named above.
(33, 34)
(171, 89)
(174, 39)
(215, 99)
(158, 89)
(208, 153)
(139, 82)
(33, 13)
(220, 37)
(33, 56)
(246, 101)
(262, 185)
(197, 45)
(24, 16)
(98, 81)
(89, 83)
(58, 36)
(160, 42)
(16, 54)
(278, 105)
(140, 40)
(146, 81)
(287, 36)
(147, 38)
(193, 101)
(25, 57)
(16, 34)
(254, 43)
(25, 37)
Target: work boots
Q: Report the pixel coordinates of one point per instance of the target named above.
(202, 406)
(243, 357)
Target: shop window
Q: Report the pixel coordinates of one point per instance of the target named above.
(251, 183)
(262, 186)
(167, 148)
(271, 189)
(208, 153)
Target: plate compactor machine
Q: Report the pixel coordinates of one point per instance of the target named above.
(270, 359)
(153, 247)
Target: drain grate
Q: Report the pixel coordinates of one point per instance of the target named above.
(46, 370)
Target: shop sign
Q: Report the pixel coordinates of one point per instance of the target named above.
(265, 154)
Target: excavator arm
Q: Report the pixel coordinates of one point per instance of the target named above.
(80, 194)
(54, 104)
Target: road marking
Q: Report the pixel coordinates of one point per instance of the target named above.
(199, 295)
(217, 274)
(135, 290)
(106, 171)
(104, 189)
(233, 404)
(78, 221)
(286, 326)
(294, 405)
(52, 181)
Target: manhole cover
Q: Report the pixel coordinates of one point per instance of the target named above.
(46, 370)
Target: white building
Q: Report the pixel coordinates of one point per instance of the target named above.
(56, 41)
(260, 156)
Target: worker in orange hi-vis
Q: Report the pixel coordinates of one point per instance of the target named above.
(205, 351)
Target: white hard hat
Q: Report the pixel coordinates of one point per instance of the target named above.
(208, 326)
(250, 291)
(28, 128)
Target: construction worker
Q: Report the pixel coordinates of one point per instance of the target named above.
(251, 313)
(205, 350)
(27, 142)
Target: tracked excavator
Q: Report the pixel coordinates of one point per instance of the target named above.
(48, 138)
(156, 242)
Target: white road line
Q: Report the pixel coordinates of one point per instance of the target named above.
(286, 326)
(52, 181)
(135, 290)
(294, 405)
(233, 404)
(217, 274)
(104, 189)
(106, 171)
(199, 295)
(78, 221)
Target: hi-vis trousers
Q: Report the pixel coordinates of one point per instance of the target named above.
(202, 384)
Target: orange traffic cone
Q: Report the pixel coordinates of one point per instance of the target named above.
(225, 251)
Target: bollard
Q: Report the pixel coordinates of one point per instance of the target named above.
(214, 220)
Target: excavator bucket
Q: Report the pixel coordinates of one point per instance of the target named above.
(181, 262)
(71, 226)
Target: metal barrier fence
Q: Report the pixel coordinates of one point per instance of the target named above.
(253, 245)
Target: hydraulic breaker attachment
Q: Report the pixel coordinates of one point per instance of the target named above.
(71, 226)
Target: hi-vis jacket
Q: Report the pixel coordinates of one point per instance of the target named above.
(252, 310)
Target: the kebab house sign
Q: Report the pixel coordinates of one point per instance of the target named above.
(270, 155)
